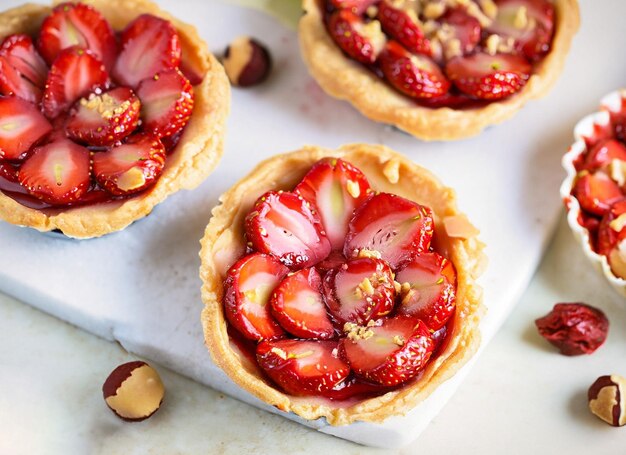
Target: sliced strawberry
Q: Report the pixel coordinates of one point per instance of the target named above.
(298, 306)
(399, 20)
(335, 188)
(395, 227)
(390, 353)
(462, 27)
(103, 119)
(603, 154)
(77, 24)
(490, 77)
(529, 22)
(612, 228)
(356, 6)
(130, 167)
(596, 192)
(355, 389)
(247, 289)
(22, 70)
(414, 75)
(75, 73)
(21, 126)
(428, 289)
(334, 259)
(8, 172)
(57, 173)
(284, 225)
(359, 290)
(166, 102)
(302, 367)
(149, 45)
(362, 42)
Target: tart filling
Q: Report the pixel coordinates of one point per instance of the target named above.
(103, 114)
(323, 327)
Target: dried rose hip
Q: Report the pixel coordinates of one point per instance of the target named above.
(574, 328)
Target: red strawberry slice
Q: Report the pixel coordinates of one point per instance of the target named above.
(388, 354)
(247, 289)
(22, 70)
(395, 227)
(428, 289)
(610, 231)
(355, 389)
(103, 119)
(302, 367)
(359, 290)
(166, 102)
(529, 22)
(57, 173)
(463, 27)
(362, 42)
(130, 167)
(21, 126)
(77, 24)
(414, 75)
(8, 172)
(596, 192)
(298, 306)
(335, 188)
(149, 45)
(490, 77)
(356, 6)
(400, 21)
(284, 224)
(603, 153)
(75, 73)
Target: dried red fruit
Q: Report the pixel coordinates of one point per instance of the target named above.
(574, 328)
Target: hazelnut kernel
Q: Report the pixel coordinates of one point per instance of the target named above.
(247, 62)
(133, 391)
(607, 399)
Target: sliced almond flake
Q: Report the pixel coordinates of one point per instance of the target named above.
(460, 227)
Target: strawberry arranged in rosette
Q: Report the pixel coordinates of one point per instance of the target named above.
(85, 112)
(340, 288)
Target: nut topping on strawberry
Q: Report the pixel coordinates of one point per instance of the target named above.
(298, 306)
(106, 118)
(390, 353)
(22, 70)
(130, 167)
(395, 227)
(77, 24)
(285, 225)
(247, 289)
(21, 126)
(414, 75)
(166, 102)
(604, 153)
(57, 173)
(362, 42)
(149, 45)
(459, 33)
(75, 73)
(360, 290)
(400, 21)
(596, 192)
(427, 289)
(302, 367)
(335, 188)
(489, 77)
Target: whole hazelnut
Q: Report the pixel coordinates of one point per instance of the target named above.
(247, 62)
(133, 391)
(607, 399)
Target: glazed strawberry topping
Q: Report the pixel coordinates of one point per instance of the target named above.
(403, 25)
(362, 42)
(463, 27)
(602, 155)
(596, 192)
(130, 121)
(298, 306)
(302, 367)
(611, 230)
(381, 293)
(356, 6)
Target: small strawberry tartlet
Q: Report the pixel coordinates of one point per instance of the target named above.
(340, 283)
(106, 108)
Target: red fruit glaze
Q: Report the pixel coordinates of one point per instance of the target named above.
(463, 27)
(395, 227)
(609, 232)
(349, 32)
(149, 45)
(22, 70)
(356, 6)
(596, 192)
(285, 225)
(130, 167)
(335, 188)
(431, 297)
(391, 353)
(403, 25)
(21, 126)
(359, 290)
(603, 153)
(302, 367)
(298, 306)
(247, 289)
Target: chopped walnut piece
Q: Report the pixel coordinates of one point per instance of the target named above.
(371, 11)
(489, 8)
(356, 332)
(365, 253)
(374, 33)
(521, 18)
(399, 340)
(618, 223)
(492, 43)
(280, 353)
(434, 10)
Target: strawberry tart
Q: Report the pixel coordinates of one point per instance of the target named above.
(106, 108)
(340, 283)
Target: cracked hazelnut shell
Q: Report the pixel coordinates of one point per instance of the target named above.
(247, 62)
(607, 399)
